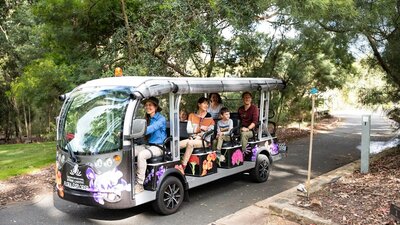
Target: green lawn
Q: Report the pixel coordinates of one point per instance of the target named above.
(16, 159)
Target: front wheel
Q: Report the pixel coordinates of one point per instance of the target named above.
(169, 197)
(260, 173)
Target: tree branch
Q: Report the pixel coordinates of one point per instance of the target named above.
(328, 28)
(196, 65)
(267, 16)
(4, 32)
(128, 30)
(381, 61)
(171, 65)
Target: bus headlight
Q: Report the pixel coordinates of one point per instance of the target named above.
(98, 163)
(108, 162)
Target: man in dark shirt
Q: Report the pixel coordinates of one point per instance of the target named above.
(248, 114)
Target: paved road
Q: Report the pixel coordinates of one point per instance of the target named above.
(210, 202)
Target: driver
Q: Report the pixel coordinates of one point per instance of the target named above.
(155, 135)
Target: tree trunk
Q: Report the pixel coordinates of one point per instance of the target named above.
(128, 31)
(18, 127)
(48, 120)
(212, 61)
(25, 121)
(29, 123)
(380, 59)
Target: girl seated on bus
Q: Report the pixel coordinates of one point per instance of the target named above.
(198, 123)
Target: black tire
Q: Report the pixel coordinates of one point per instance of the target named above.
(260, 173)
(169, 197)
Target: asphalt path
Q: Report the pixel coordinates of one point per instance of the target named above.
(208, 203)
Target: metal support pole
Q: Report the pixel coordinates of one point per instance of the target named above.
(365, 142)
(310, 150)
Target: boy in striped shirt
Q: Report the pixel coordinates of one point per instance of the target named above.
(224, 126)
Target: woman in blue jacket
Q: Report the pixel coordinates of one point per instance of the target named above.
(156, 131)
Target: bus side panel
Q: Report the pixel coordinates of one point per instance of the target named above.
(156, 173)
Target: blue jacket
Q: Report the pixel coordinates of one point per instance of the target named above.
(157, 129)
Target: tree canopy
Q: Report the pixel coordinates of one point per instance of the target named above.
(50, 46)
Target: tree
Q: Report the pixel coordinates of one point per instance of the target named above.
(75, 41)
(16, 26)
(373, 23)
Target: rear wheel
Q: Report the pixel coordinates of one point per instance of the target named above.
(260, 173)
(169, 197)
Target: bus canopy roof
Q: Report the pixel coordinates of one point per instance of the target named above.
(144, 87)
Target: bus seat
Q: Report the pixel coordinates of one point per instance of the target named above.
(166, 156)
(183, 134)
(235, 132)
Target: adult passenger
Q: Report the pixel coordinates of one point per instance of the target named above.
(156, 129)
(215, 105)
(248, 114)
(198, 123)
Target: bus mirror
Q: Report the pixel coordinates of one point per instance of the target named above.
(138, 128)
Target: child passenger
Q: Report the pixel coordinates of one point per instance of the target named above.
(224, 126)
(183, 116)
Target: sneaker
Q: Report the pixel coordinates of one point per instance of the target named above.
(221, 158)
(138, 188)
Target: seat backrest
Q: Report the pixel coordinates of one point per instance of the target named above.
(235, 119)
(182, 130)
(236, 122)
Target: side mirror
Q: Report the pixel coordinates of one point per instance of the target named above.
(138, 128)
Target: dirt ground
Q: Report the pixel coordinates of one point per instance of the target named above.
(27, 187)
(359, 199)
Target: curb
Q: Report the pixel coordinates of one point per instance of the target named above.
(282, 209)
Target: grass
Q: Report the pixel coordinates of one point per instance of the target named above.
(17, 159)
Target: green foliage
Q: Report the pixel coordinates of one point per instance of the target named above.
(41, 83)
(17, 159)
(50, 46)
(374, 24)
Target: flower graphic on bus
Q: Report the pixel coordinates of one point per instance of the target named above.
(107, 186)
(254, 153)
(237, 157)
(208, 163)
(193, 161)
(160, 172)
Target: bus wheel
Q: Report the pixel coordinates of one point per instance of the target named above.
(260, 173)
(169, 197)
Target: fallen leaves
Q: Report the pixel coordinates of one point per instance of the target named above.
(26, 187)
(363, 198)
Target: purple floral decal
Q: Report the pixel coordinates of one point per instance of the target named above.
(159, 174)
(107, 186)
(149, 176)
(254, 153)
(274, 148)
(237, 157)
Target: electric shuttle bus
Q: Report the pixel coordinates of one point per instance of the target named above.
(101, 123)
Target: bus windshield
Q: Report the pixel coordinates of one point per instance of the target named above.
(93, 120)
